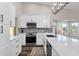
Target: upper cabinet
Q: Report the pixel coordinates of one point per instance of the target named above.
(4, 13)
(23, 22)
(42, 21)
(7, 13)
(12, 13)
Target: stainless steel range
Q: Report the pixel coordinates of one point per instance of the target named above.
(30, 38)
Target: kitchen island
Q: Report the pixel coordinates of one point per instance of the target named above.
(63, 45)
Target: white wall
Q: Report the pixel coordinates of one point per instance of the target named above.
(34, 9)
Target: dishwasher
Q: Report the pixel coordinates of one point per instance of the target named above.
(49, 49)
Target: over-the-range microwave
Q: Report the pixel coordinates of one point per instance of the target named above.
(31, 25)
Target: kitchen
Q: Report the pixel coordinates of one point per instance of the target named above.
(39, 29)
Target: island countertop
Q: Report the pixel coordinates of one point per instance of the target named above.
(64, 46)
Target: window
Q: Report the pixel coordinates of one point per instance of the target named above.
(62, 27)
(74, 28)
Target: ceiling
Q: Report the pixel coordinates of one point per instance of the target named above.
(41, 3)
(71, 11)
(72, 6)
(46, 3)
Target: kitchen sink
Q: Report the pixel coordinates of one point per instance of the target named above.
(50, 35)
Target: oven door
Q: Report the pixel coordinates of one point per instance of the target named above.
(31, 39)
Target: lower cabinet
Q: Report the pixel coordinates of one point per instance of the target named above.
(39, 39)
(15, 47)
(23, 37)
(16, 44)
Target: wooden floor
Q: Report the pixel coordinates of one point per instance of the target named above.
(32, 50)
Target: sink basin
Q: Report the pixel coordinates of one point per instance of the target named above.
(50, 35)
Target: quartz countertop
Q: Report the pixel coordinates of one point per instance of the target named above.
(64, 46)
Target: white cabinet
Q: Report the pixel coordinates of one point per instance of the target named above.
(5, 16)
(30, 18)
(42, 21)
(15, 45)
(23, 21)
(12, 13)
(45, 46)
(4, 29)
(23, 38)
(4, 12)
(6, 32)
(39, 39)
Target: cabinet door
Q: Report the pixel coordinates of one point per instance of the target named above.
(6, 31)
(39, 22)
(12, 14)
(23, 22)
(4, 35)
(43, 22)
(5, 12)
(0, 14)
(24, 39)
(39, 40)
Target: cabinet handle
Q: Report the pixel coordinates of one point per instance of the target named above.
(1, 17)
(1, 30)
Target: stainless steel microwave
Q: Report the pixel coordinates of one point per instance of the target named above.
(31, 25)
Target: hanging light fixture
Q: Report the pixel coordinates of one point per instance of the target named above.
(57, 6)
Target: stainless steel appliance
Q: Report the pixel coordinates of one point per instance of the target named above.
(30, 38)
(51, 36)
(49, 49)
(31, 25)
